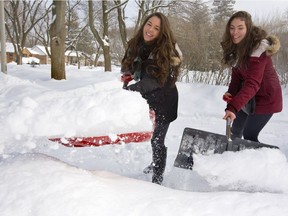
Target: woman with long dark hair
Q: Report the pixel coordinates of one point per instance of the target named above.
(153, 60)
(254, 93)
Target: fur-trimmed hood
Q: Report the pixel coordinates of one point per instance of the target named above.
(270, 45)
(274, 45)
(175, 61)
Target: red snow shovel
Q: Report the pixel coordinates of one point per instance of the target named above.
(104, 140)
(122, 138)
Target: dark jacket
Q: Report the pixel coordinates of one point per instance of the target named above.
(162, 99)
(258, 79)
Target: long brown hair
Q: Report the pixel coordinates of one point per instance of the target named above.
(163, 51)
(238, 54)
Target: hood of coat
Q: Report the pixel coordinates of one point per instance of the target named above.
(175, 61)
(274, 45)
(270, 45)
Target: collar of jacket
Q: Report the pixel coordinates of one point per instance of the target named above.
(270, 45)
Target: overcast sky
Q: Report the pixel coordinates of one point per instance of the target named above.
(259, 9)
(262, 8)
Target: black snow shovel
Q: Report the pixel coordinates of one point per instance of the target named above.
(206, 143)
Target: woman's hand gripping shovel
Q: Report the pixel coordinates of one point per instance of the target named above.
(228, 135)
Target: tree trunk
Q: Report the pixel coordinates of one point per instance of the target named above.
(58, 37)
(104, 41)
(106, 45)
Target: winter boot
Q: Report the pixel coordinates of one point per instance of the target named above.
(149, 169)
(159, 160)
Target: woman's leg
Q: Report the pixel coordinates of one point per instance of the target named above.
(254, 124)
(159, 151)
(238, 125)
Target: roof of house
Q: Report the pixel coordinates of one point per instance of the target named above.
(32, 51)
(40, 49)
(71, 53)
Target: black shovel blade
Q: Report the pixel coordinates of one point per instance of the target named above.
(202, 142)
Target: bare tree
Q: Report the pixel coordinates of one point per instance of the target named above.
(120, 6)
(22, 17)
(191, 29)
(104, 40)
(222, 10)
(58, 37)
(42, 33)
(75, 30)
(150, 6)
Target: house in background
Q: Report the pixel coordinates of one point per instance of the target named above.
(37, 51)
(41, 53)
(98, 60)
(29, 56)
(10, 53)
(28, 52)
(71, 57)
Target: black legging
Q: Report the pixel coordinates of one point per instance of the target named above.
(159, 151)
(249, 126)
(159, 134)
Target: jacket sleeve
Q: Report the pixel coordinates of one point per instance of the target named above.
(251, 83)
(235, 83)
(146, 84)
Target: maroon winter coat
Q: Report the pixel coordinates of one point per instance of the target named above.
(259, 79)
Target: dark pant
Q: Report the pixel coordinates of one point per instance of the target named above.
(249, 126)
(159, 151)
(159, 134)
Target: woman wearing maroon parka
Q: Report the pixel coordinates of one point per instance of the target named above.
(248, 50)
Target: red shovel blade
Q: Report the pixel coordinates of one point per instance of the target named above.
(104, 140)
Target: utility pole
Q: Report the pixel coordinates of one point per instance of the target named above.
(3, 39)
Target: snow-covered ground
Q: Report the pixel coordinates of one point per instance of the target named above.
(41, 177)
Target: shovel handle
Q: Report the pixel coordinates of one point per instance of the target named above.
(125, 84)
(228, 128)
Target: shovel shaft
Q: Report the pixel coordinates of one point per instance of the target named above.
(228, 128)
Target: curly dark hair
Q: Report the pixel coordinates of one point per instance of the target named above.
(163, 50)
(238, 54)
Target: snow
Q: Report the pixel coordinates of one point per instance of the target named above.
(41, 177)
(30, 60)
